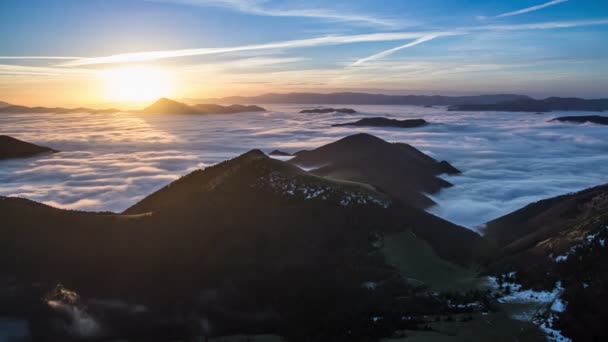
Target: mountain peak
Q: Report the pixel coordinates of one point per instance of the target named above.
(165, 105)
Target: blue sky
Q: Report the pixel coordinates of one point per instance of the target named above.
(229, 47)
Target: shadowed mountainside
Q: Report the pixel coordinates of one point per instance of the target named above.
(536, 222)
(15, 148)
(560, 242)
(201, 246)
(396, 168)
(59, 110)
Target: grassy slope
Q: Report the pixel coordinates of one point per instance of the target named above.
(496, 327)
(416, 260)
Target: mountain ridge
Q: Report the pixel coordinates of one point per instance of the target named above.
(397, 168)
(343, 98)
(14, 148)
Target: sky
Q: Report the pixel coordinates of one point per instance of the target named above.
(127, 52)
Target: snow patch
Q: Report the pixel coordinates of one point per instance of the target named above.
(310, 189)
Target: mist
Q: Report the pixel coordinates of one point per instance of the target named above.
(108, 162)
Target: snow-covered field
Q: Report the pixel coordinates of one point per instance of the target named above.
(538, 307)
(110, 161)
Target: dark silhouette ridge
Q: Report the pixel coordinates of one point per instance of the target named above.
(279, 153)
(161, 106)
(59, 110)
(329, 110)
(15, 148)
(399, 169)
(538, 106)
(596, 119)
(167, 106)
(346, 98)
(384, 122)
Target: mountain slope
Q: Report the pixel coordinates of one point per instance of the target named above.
(559, 244)
(15, 148)
(398, 169)
(538, 221)
(249, 245)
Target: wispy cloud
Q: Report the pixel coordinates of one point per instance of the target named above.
(256, 7)
(39, 57)
(393, 50)
(11, 69)
(543, 25)
(310, 42)
(531, 9)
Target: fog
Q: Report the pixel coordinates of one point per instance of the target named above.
(110, 161)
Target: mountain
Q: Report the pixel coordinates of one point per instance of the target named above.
(328, 110)
(15, 148)
(4, 104)
(167, 106)
(559, 245)
(531, 105)
(384, 122)
(396, 168)
(161, 106)
(528, 226)
(279, 153)
(249, 245)
(597, 119)
(60, 110)
(369, 99)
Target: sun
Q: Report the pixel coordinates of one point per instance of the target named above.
(136, 84)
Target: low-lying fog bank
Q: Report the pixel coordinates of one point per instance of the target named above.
(110, 161)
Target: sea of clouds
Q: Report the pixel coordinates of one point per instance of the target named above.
(110, 161)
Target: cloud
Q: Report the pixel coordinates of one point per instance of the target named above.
(11, 69)
(109, 162)
(393, 50)
(256, 7)
(531, 9)
(310, 42)
(542, 25)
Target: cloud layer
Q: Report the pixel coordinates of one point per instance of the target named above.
(109, 162)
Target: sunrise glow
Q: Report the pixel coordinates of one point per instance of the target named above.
(136, 84)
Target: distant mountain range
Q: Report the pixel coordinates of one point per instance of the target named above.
(498, 102)
(167, 106)
(368, 99)
(9, 108)
(161, 106)
(531, 105)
